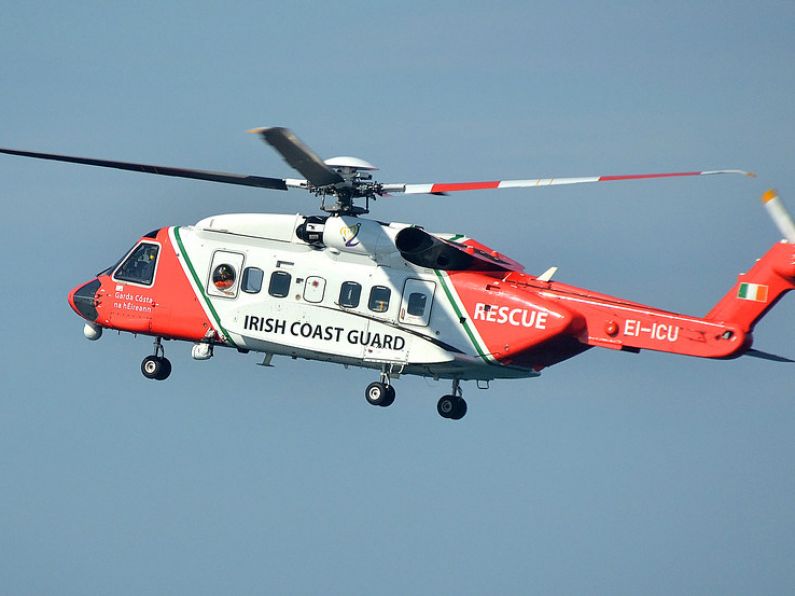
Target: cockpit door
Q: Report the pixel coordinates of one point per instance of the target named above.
(415, 308)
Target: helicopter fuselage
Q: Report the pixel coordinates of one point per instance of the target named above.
(391, 297)
(339, 289)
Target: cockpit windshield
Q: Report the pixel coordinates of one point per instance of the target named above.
(139, 267)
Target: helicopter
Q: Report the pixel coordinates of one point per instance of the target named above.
(391, 297)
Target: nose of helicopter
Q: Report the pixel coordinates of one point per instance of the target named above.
(82, 299)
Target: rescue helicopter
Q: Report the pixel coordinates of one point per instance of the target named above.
(392, 297)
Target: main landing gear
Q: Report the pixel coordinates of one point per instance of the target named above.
(381, 393)
(156, 366)
(452, 406)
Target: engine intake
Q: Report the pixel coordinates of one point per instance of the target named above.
(426, 250)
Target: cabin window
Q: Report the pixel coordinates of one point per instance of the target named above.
(314, 289)
(279, 286)
(379, 299)
(139, 267)
(416, 304)
(223, 279)
(224, 276)
(252, 280)
(350, 293)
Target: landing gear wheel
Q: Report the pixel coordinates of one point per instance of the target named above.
(151, 367)
(451, 406)
(376, 394)
(156, 367)
(446, 405)
(460, 409)
(165, 365)
(390, 396)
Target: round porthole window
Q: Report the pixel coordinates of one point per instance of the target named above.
(224, 277)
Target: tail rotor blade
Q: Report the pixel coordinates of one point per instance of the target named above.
(779, 214)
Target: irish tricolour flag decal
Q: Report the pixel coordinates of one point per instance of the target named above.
(756, 292)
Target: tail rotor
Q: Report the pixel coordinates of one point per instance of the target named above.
(779, 214)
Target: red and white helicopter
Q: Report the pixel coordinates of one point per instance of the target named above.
(389, 296)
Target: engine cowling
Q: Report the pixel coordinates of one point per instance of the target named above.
(426, 250)
(359, 236)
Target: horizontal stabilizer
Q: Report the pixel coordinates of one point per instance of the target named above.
(766, 356)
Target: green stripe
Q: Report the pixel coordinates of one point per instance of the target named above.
(456, 238)
(464, 320)
(199, 285)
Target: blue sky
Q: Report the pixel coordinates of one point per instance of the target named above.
(610, 474)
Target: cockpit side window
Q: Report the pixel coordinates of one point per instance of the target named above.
(139, 267)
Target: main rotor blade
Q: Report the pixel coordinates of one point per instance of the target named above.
(225, 177)
(299, 155)
(445, 187)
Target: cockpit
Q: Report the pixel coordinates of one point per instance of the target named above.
(139, 266)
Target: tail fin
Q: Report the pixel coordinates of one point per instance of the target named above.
(757, 291)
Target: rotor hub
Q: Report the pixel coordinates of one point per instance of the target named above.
(357, 183)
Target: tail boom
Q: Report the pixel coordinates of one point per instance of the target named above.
(628, 326)
(726, 331)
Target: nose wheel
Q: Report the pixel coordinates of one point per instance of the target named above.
(452, 406)
(156, 366)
